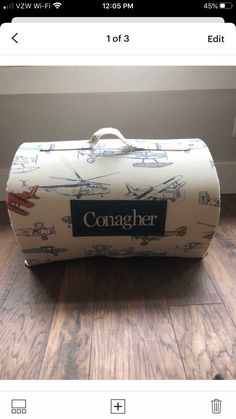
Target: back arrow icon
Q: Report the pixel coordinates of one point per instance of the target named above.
(13, 37)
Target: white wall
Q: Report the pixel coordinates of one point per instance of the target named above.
(27, 80)
(167, 108)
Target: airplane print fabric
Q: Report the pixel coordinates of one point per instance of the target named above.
(176, 178)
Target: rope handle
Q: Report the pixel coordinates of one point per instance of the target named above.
(112, 131)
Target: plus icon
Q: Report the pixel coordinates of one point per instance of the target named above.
(118, 406)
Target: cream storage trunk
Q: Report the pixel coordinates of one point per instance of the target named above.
(113, 197)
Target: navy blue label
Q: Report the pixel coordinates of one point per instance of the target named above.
(118, 218)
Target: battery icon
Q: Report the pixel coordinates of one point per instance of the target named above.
(226, 5)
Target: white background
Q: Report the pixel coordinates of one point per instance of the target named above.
(91, 399)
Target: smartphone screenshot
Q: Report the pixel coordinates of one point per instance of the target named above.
(117, 210)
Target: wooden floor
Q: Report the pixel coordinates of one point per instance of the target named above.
(120, 319)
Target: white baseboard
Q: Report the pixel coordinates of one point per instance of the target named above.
(226, 171)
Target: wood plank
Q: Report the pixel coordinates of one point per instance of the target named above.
(25, 320)
(68, 351)
(186, 281)
(220, 262)
(221, 266)
(133, 337)
(207, 340)
(227, 224)
(10, 255)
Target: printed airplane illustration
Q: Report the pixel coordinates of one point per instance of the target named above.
(47, 147)
(99, 250)
(208, 235)
(149, 159)
(78, 186)
(16, 200)
(206, 199)
(191, 246)
(33, 262)
(24, 164)
(37, 230)
(67, 220)
(206, 224)
(152, 159)
(150, 253)
(106, 250)
(46, 249)
(184, 145)
(93, 153)
(194, 145)
(144, 240)
(169, 190)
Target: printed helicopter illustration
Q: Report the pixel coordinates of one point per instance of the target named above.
(190, 246)
(206, 199)
(16, 200)
(79, 186)
(144, 240)
(149, 159)
(106, 250)
(37, 230)
(169, 190)
(46, 249)
(24, 164)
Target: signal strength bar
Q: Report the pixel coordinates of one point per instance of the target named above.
(9, 6)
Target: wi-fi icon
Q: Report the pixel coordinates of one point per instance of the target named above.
(57, 4)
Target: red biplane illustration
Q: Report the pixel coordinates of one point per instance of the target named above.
(16, 200)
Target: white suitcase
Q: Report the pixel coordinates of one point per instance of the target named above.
(113, 197)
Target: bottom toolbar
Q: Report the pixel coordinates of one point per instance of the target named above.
(104, 403)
